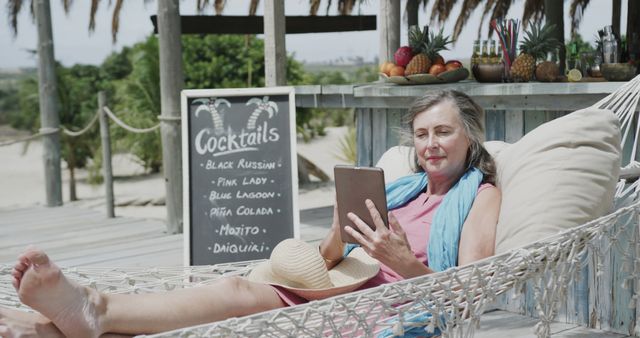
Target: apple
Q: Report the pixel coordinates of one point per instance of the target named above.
(438, 60)
(396, 71)
(437, 69)
(453, 64)
(386, 67)
(456, 62)
(403, 56)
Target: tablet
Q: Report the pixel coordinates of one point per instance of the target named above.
(353, 186)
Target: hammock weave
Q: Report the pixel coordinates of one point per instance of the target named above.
(451, 301)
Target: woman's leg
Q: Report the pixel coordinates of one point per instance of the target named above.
(15, 323)
(82, 312)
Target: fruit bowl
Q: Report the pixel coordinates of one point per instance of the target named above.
(618, 71)
(485, 72)
(449, 76)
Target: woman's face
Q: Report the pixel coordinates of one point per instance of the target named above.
(440, 140)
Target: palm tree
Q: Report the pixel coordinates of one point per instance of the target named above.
(263, 105)
(211, 106)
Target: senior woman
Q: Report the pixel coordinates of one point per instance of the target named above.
(450, 203)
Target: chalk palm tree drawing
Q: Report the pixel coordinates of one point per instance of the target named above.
(211, 105)
(263, 105)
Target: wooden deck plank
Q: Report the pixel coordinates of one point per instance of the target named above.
(61, 231)
(76, 235)
(79, 239)
(162, 251)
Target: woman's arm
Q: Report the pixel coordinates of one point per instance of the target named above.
(478, 237)
(332, 246)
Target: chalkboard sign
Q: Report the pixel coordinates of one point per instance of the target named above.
(240, 174)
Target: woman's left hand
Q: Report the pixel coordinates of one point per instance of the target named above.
(388, 245)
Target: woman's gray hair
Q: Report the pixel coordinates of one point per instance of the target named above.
(472, 118)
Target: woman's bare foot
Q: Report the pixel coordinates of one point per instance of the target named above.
(19, 324)
(73, 308)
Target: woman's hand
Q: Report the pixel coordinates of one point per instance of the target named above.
(388, 245)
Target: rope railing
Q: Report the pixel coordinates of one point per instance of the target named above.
(127, 127)
(82, 131)
(101, 115)
(94, 119)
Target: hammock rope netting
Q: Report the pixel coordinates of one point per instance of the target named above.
(451, 301)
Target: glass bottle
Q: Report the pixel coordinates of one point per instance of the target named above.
(573, 53)
(609, 46)
(484, 58)
(493, 55)
(475, 57)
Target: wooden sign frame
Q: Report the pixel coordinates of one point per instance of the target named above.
(232, 94)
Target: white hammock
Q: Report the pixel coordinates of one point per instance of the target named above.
(452, 300)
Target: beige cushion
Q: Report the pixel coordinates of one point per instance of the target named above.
(559, 175)
(396, 162)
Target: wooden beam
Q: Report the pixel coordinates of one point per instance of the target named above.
(275, 52)
(105, 140)
(48, 93)
(171, 83)
(389, 29)
(218, 24)
(412, 13)
(554, 13)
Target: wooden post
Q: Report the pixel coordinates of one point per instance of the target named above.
(554, 11)
(171, 83)
(105, 139)
(389, 29)
(412, 13)
(275, 51)
(616, 13)
(48, 93)
(633, 32)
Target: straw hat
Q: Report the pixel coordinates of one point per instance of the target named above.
(298, 267)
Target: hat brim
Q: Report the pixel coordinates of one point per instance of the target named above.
(352, 271)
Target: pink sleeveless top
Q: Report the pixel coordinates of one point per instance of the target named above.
(415, 218)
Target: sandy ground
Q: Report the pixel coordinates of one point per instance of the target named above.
(137, 194)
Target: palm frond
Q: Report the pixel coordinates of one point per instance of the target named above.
(345, 7)
(66, 4)
(576, 10)
(13, 9)
(92, 15)
(115, 20)
(313, 7)
(253, 7)
(533, 9)
(441, 10)
(500, 9)
(219, 6)
(32, 11)
(201, 5)
(487, 8)
(468, 6)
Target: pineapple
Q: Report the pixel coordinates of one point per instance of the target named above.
(430, 45)
(537, 42)
(420, 63)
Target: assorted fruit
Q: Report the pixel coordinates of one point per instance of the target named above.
(421, 56)
(537, 43)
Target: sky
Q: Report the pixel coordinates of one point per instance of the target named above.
(74, 44)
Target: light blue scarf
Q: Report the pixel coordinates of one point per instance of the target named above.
(444, 236)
